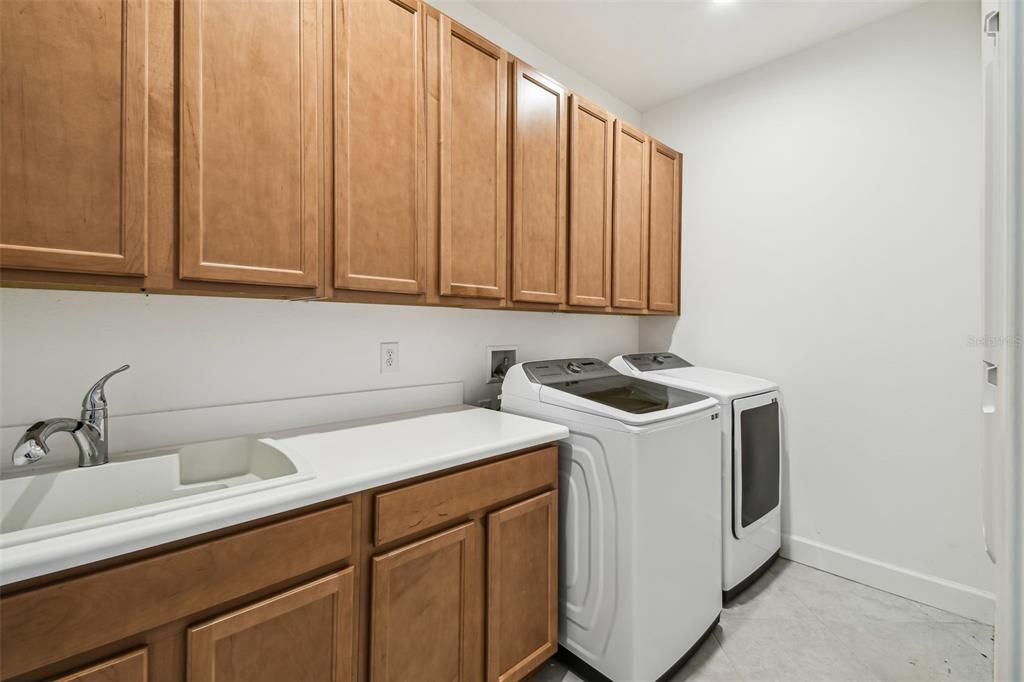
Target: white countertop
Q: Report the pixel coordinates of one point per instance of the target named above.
(345, 457)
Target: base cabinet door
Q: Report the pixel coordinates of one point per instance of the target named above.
(305, 634)
(426, 609)
(663, 268)
(522, 593)
(130, 667)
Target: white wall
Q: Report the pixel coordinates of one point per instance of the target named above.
(831, 243)
(489, 28)
(195, 351)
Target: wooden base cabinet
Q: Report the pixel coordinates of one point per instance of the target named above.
(426, 609)
(303, 634)
(522, 587)
(449, 576)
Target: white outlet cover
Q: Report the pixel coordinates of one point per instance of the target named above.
(388, 357)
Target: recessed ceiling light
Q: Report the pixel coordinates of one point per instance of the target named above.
(722, 2)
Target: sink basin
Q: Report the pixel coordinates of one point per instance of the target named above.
(49, 504)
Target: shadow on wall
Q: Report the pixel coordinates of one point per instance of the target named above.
(656, 335)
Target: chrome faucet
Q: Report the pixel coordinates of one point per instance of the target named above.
(89, 431)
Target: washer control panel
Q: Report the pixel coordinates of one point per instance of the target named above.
(570, 369)
(650, 362)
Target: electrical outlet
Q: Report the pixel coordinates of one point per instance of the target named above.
(388, 357)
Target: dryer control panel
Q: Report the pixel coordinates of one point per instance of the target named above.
(649, 362)
(549, 372)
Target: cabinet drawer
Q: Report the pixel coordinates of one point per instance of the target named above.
(51, 623)
(445, 499)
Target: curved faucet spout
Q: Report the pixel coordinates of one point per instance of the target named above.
(32, 445)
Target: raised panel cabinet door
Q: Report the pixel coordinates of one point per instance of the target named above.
(474, 137)
(539, 142)
(663, 269)
(251, 147)
(629, 224)
(73, 135)
(591, 149)
(306, 634)
(380, 146)
(426, 609)
(522, 591)
(130, 667)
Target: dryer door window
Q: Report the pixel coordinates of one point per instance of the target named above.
(756, 463)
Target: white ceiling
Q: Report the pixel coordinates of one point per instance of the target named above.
(649, 52)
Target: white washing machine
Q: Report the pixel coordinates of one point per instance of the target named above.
(640, 515)
(751, 447)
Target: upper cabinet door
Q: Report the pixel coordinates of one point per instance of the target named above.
(539, 142)
(380, 146)
(629, 243)
(474, 135)
(73, 92)
(590, 204)
(666, 166)
(251, 147)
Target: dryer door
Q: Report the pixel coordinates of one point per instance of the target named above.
(756, 453)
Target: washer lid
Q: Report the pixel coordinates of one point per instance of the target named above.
(589, 385)
(722, 385)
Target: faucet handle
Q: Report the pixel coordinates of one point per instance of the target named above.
(96, 398)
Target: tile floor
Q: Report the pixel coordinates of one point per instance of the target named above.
(797, 623)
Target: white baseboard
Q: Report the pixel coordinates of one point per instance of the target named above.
(947, 595)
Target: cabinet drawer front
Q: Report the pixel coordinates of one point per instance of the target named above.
(432, 503)
(74, 92)
(51, 623)
(306, 633)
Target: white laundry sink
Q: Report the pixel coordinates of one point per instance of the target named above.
(55, 503)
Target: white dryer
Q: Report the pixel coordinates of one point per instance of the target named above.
(640, 515)
(751, 448)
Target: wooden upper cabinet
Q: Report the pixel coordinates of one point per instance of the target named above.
(73, 135)
(629, 225)
(590, 204)
(426, 609)
(251, 147)
(380, 146)
(130, 667)
(306, 633)
(474, 137)
(663, 271)
(522, 575)
(539, 147)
